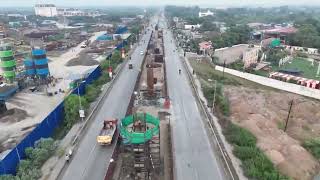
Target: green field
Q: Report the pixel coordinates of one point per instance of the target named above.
(302, 65)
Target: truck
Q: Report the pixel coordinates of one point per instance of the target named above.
(108, 131)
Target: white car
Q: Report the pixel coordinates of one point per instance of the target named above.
(141, 53)
(83, 46)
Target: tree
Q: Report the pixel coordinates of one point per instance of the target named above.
(274, 55)
(207, 25)
(234, 35)
(71, 108)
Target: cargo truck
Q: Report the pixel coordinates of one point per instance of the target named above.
(107, 132)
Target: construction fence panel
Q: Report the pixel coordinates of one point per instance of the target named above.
(45, 129)
(94, 75)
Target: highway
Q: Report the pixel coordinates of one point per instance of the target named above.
(193, 155)
(91, 160)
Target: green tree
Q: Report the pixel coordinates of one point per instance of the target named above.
(92, 92)
(207, 25)
(71, 108)
(274, 55)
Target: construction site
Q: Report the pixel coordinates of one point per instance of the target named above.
(39, 75)
(145, 148)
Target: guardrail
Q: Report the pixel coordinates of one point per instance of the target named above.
(115, 153)
(77, 139)
(227, 161)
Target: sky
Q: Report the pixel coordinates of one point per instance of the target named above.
(202, 3)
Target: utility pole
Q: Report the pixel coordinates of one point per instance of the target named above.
(214, 94)
(224, 65)
(287, 121)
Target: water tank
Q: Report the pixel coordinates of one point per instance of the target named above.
(7, 62)
(40, 62)
(30, 67)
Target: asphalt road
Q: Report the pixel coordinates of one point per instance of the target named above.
(194, 158)
(91, 160)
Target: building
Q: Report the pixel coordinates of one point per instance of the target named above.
(208, 13)
(70, 12)
(279, 33)
(250, 56)
(76, 12)
(47, 10)
(241, 52)
(206, 48)
(191, 27)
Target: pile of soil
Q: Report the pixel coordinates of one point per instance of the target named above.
(13, 115)
(264, 114)
(82, 60)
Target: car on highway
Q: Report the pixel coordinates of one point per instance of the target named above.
(141, 53)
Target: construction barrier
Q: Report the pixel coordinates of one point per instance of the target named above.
(89, 78)
(45, 129)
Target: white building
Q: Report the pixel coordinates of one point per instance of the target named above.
(208, 13)
(47, 10)
(191, 27)
(70, 12)
(250, 56)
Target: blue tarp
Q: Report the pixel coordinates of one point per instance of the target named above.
(105, 37)
(121, 30)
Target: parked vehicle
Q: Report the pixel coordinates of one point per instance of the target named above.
(107, 132)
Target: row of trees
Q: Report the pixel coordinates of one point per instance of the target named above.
(307, 36)
(234, 35)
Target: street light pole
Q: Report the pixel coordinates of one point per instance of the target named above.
(79, 95)
(81, 114)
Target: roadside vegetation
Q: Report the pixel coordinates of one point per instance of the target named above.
(313, 146)
(30, 167)
(255, 164)
(93, 90)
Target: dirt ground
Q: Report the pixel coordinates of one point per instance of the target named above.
(82, 60)
(263, 111)
(264, 114)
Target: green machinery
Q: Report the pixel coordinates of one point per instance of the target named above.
(139, 132)
(7, 62)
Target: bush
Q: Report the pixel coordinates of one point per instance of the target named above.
(71, 109)
(302, 54)
(240, 136)
(255, 164)
(9, 177)
(223, 104)
(313, 146)
(238, 65)
(92, 92)
(29, 168)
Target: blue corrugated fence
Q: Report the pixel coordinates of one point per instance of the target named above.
(45, 129)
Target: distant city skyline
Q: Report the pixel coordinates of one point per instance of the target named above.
(203, 3)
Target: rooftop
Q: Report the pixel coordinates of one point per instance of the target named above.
(282, 30)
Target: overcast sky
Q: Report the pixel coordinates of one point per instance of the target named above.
(202, 3)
